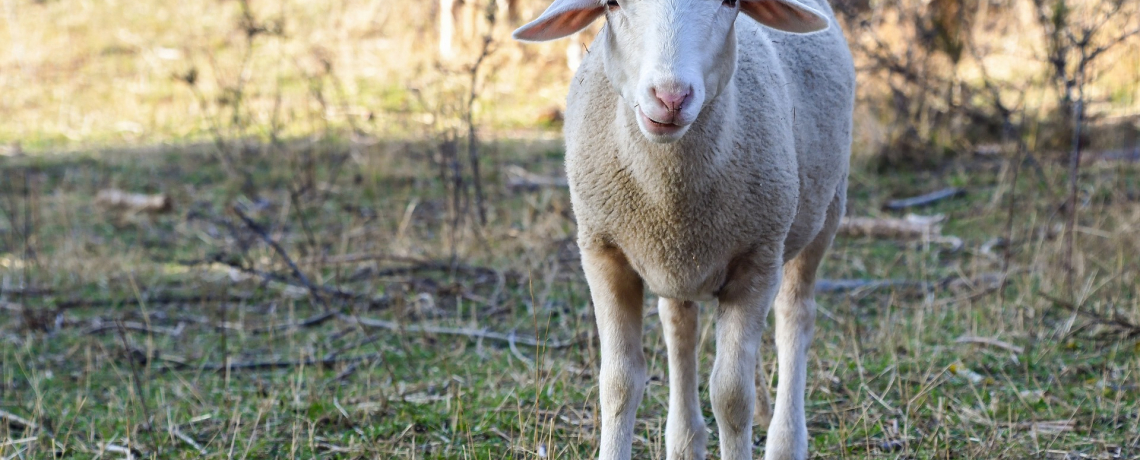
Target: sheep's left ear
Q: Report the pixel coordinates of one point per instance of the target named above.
(785, 15)
(563, 18)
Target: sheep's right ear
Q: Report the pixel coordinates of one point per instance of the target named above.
(786, 15)
(563, 18)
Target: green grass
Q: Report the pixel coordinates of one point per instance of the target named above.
(888, 378)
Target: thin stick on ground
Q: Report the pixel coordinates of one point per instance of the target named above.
(188, 440)
(1127, 327)
(333, 291)
(924, 200)
(991, 342)
(473, 333)
(267, 365)
(253, 226)
(137, 380)
(17, 422)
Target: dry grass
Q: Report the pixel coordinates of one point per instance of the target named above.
(108, 73)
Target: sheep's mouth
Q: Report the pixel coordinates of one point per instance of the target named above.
(660, 128)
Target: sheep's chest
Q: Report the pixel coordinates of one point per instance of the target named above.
(682, 233)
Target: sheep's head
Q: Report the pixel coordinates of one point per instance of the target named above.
(668, 58)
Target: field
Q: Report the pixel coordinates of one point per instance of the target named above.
(117, 325)
(361, 251)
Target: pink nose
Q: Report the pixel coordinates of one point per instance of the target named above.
(672, 100)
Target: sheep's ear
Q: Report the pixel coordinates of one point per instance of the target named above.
(563, 18)
(785, 15)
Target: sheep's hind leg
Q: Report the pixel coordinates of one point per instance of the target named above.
(618, 293)
(795, 324)
(685, 436)
(762, 414)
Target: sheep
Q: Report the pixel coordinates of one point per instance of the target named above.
(707, 155)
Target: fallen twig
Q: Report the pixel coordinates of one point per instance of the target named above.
(119, 200)
(360, 257)
(186, 439)
(991, 342)
(846, 285)
(261, 365)
(334, 291)
(1047, 427)
(129, 452)
(311, 321)
(12, 307)
(16, 422)
(519, 178)
(159, 300)
(983, 281)
(114, 302)
(99, 326)
(474, 333)
(912, 227)
(1130, 329)
(253, 226)
(924, 200)
(16, 442)
(518, 354)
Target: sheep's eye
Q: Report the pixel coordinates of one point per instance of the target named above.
(729, 3)
(612, 4)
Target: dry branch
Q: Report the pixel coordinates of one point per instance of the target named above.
(118, 200)
(473, 333)
(263, 365)
(128, 453)
(315, 320)
(100, 326)
(521, 179)
(159, 300)
(912, 227)
(924, 200)
(984, 281)
(187, 439)
(334, 291)
(253, 226)
(359, 257)
(1118, 322)
(846, 285)
(991, 342)
(16, 422)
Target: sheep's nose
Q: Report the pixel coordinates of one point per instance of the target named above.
(672, 100)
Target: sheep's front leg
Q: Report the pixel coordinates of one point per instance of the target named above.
(617, 292)
(739, 324)
(685, 436)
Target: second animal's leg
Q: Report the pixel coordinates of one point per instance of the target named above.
(685, 436)
(795, 324)
(617, 292)
(739, 324)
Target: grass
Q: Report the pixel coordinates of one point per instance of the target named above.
(115, 324)
(116, 327)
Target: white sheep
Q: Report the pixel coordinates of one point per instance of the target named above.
(707, 158)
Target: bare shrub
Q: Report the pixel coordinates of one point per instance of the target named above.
(944, 76)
